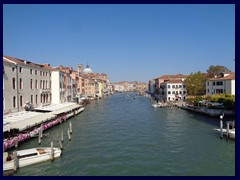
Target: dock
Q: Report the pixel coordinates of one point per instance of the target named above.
(21, 126)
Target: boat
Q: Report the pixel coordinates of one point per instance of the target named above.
(231, 132)
(157, 105)
(230, 127)
(28, 157)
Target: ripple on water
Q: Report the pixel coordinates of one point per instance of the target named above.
(122, 136)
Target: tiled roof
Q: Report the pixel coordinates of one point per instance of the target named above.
(26, 63)
(174, 81)
(231, 76)
(171, 76)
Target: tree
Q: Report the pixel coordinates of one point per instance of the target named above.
(213, 71)
(196, 83)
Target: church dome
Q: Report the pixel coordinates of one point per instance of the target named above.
(87, 70)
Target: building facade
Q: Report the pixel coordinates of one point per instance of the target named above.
(24, 83)
(173, 90)
(225, 84)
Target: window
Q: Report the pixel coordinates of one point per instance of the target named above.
(43, 73)
(13, 83)
(40, 73)
(21, 83)
(31, 83)
(169, 86)
(184, 86)
(169, 92)
(219, 83)
(173, 92)
(180, 86)
(21, 101)
(184, 92)
(208, 90)
(35, 72)
(214, 83)
(43, 84)
(50, 84)
(31, 71)
(40, 84)
(20, 69)
(14, 101)
(177, 86)
(173, 86)
(180, 92)
(36, 99)
(46, 85)
(36, 84)
(208, 83)
(31, 99)
(13, 69)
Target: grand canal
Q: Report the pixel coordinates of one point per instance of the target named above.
(120, 135)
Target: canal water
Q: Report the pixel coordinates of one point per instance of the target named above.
(120, 135)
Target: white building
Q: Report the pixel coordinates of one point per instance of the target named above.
(173, 90)
(24, 81)
(223, 84)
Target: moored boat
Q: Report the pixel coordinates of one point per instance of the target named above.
(28, 157)
(157, 105)
(231, 132)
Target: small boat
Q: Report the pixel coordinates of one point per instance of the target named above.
(29, 156)
(231, 132)
(157, 105)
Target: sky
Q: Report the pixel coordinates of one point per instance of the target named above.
(135, 42)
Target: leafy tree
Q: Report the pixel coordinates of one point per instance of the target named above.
(213, 71)
(196, 83)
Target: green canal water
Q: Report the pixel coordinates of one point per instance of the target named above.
(120, 135)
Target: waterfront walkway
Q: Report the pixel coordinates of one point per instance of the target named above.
(26, 119)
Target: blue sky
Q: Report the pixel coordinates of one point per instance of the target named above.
(128, 42)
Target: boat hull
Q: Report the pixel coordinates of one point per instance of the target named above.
(26, 161)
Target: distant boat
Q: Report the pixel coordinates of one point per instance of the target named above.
(29, 156)
(157, 105)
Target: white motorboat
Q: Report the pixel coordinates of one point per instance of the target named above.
(29, 156)
(231, 132)
(157, 105)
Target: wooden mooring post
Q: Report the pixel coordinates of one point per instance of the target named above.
(52, 151)
(69, 135)
(62, 135)
(227, 133)
(15, 161)
(70, 127)
(221, 126)
(39, 137)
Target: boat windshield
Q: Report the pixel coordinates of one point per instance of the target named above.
(41, 151)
